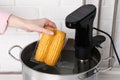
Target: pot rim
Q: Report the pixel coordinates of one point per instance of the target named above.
(82, 73)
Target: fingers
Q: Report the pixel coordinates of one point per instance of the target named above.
(47, 31)
(39, 26)
(43, 30)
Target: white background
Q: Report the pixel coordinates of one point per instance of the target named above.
(55, 10)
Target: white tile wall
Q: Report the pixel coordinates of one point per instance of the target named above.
(25, 12)
(7, 2)
(70, 2)
(96, 2)
(118, 13)
(107, 13)
(108, 2)
(55, 10)
(36, 2)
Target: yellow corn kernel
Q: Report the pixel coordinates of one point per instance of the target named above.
(43, 46)
(55, 48)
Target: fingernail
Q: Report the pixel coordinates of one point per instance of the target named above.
(52, 33)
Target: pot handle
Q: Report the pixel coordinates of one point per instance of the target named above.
(98, 69)
(108, 68)
(12, 54)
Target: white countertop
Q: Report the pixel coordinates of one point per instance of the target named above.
(19, 77)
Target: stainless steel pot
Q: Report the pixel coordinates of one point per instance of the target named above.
(68, 67)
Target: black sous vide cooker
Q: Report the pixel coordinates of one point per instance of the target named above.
(82, 21)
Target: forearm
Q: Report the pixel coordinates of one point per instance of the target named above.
(17, 22)
(36, 25)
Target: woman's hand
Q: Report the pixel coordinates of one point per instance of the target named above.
(37, 25)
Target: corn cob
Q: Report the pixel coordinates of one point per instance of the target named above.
(43, 46)
(55, 48)
(49, 47)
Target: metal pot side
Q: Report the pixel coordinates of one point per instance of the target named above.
(30, 74)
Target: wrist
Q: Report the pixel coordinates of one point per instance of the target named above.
(16, 22)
